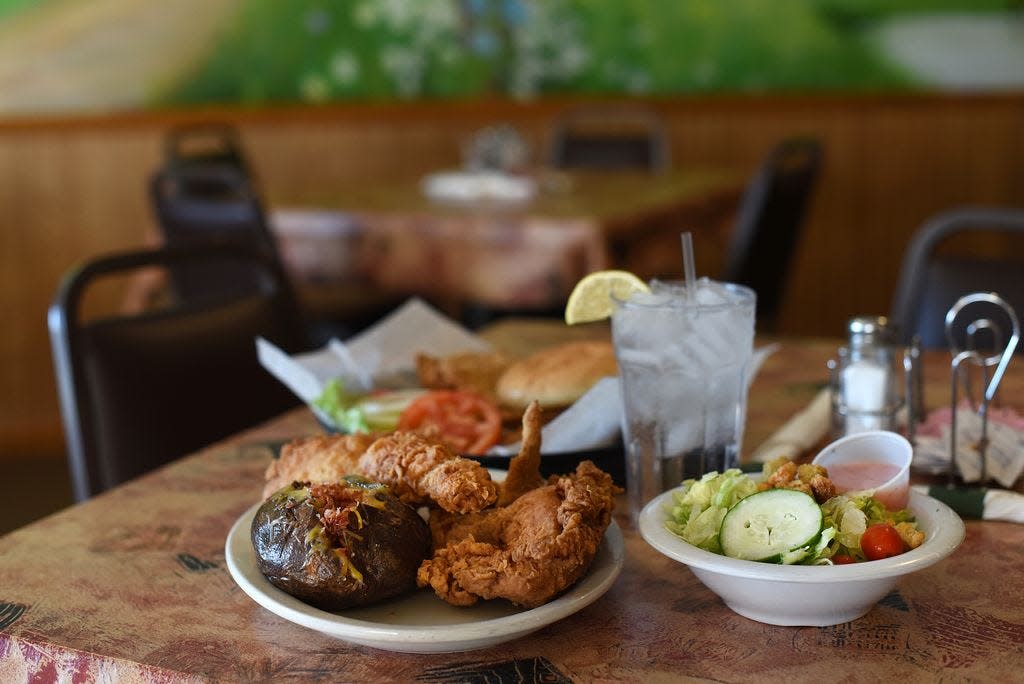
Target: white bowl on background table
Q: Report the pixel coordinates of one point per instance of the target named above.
(806, 595)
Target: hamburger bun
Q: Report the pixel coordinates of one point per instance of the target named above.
(556, 376)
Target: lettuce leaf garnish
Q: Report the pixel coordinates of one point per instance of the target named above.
(357, 412)
(339, 406)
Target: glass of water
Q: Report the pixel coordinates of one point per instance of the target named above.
(684, 359)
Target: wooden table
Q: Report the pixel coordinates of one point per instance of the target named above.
(132, 586)
(509, 255)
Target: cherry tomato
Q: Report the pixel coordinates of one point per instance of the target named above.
(465, 421)
(843, 559)
(881, 541)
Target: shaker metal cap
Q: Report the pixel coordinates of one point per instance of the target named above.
(867, 330)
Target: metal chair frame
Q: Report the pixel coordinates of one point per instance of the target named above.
(94, 467)
(911, 293)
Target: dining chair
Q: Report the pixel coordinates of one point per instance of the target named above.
(204, 144)
(206, 202)
(139, 390)
(609, 138)
(770, 222)
(214, 197)
(931, 280)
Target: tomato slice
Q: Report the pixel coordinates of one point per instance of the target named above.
(465, 421)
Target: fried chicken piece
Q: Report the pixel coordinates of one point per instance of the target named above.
(524, 468)
(527, 552)
(474, 371)
(417, 470)
(322, 458)
(420, 471)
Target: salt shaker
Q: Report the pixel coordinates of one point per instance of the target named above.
(865, 379)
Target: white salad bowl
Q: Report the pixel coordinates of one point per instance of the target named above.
(805, 595)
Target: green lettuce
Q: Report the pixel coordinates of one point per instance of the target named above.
(699, 508)
(338, 406)
(357, 412)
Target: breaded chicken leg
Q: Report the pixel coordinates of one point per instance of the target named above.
(524, 468)
(527, 552)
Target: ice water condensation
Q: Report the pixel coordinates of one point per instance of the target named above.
(683, 365)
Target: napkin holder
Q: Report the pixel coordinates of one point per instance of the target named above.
(964, 339)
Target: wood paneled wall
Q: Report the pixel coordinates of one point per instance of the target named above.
(70, 189)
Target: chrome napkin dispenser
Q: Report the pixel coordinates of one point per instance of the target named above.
(973, 320)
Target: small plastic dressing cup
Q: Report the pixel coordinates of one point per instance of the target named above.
(877, 461)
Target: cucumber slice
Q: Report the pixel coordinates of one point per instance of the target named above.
(381, 410)
(767, 525)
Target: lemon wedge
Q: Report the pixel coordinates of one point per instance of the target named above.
(591, 299)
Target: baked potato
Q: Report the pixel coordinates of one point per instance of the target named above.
(339, 545)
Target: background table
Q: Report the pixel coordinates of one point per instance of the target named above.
(512, 255)
(133, 585)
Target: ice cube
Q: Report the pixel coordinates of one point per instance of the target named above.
(652, 298)
(685, 430)
(710, 293)
(645, 358)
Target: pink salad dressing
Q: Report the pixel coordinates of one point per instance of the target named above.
(852, 477)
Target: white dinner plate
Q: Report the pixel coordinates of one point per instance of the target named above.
(420, 622)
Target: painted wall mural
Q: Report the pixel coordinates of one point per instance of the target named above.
(109, 55)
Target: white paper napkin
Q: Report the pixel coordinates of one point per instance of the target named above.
(1004, 505)
(1004, 457)
(978, 502)
(799, 433)
(593, 421)
(374, 357)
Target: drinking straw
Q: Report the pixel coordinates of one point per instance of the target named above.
(689, 268)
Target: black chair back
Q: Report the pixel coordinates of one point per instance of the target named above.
(138, 391)
(930, 283)
(205, 144)
(204, 203)
(610, 139)
(770, 222)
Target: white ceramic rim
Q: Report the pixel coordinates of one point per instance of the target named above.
(437, 638)
(944, 532)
